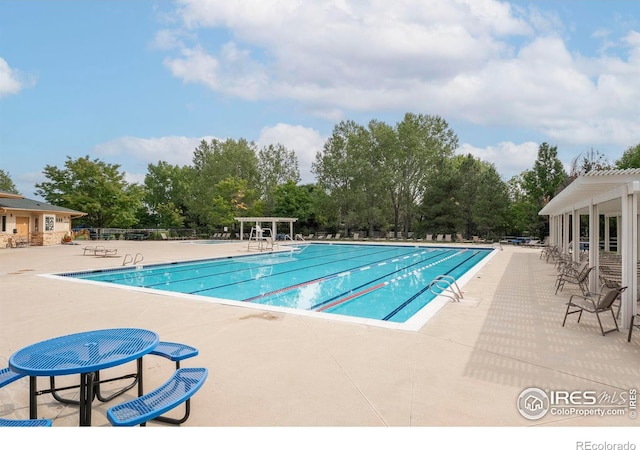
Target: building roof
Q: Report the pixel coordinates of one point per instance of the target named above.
(602, 187)
(15, 202)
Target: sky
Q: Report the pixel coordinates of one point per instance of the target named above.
(137, 82)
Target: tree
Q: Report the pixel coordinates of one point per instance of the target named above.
(6, 183)
(630, 158)
(166, 193)
(214, 162)
(585, 163)
(541, 184)
(232, 198)
(94, 187)
(276, 165)
(335, 168)
(422, 142)
(441, 211)
(491, 207)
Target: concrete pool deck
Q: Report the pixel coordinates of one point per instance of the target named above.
(465, 367)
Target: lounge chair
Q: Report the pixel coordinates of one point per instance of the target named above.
(440, 238)
(460, 238)
(596, 305)
(477, 240)
(337, 236)
(447, 238)
(92, 249)
(104, 252)
(429, 237)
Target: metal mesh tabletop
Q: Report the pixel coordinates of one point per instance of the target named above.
(89, 351)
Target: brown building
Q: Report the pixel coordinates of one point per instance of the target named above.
(33, 222)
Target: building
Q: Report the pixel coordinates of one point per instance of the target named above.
(609, 202)
(33, 222)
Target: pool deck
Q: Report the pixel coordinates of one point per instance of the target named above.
(465, 367)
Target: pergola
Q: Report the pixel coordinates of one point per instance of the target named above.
(270, 220)
(608, 193)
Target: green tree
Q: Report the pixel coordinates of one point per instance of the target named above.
(630, 159)
(374, 179)
(491, 207)
(441, 210)
(423, 141)
(277, 165)
(232, 198)
(214, 162)
(166, 193)
(518, 222)
(335, 169)
(541, 184)
(96, 188)
(291, 200)
(6, 183)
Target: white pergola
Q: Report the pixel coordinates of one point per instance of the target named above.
(269, 220)
(608, 193)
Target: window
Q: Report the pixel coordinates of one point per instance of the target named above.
(4, 224)
(49, 224)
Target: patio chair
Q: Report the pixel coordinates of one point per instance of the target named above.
(579, 278)
(595, 305)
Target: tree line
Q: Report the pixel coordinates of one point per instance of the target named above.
(373, 179)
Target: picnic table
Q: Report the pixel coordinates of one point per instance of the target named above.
(85, 354)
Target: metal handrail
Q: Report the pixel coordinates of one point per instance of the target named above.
(446, 284)
(128, 258)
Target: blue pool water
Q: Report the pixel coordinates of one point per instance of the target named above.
(381, 282)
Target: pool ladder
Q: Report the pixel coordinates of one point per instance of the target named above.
(128, 258)
(447, 286)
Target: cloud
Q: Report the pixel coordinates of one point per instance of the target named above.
(484, 62)
(509, 159)
(177, 150)
(11, 81)
(305, 142)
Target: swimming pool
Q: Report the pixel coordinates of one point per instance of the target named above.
(381, 283)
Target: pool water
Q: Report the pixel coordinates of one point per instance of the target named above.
(380, 282)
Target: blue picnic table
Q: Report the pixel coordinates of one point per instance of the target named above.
(84, 353)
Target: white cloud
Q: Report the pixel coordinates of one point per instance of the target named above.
(509, 159)
(10, 80)
(481, 61)
(195, 66)
(306, 142)
(177, 150)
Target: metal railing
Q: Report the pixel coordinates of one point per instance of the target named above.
(130, 259)
(446, 285)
